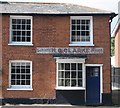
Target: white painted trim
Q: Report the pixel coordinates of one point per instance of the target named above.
(91, 32)
(20, 43)
(101, 79)
(70, 61)
(70, 88)
(80, 44)
(75, 60)
(20, 87)
(10, 89)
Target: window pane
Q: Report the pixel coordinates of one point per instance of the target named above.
(14, 38)
(73, 83)
(79, 83)
(73, 74)
(61, 74)
(61, 66)
(78, 38)
(18, 21)
(18, 70)
(23, 39)
(82, 21)
(67, 82)
(67, 74)
(79, 74)
(87, 27)
(23, 21)
(28, 65)
(28, 39)
(13, 76)
(73, 21)
(12, 82)
(87, 33)
(78, 27)
(73, 33)
(73, 38)
(13, 21)
(82, 33)
(78, 33)
(28, 27)
(14, 26)
(27, 70)
(73, 66)
(23, 27)
(22, 70)
(87, 38)
(14, 33)
(87, 21)
(27, 76)
(19, 27)
(18, 82)
(12, 70)
(22, 82)
(79, 66)
(61, 82)
(27, 82)
(73, 27)
(28, 33)
(78, 21)
(83, 27)
(18, 33)
(22, 76)
(67, 66)
(18, 76)
(28, 21)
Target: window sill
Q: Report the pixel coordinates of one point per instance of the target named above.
(70, 88)
(80, 44)
(20, 89)
(21, 44)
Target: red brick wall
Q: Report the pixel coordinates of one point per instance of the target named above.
(52, 31)
(0, 56)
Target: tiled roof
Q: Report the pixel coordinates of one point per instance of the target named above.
(47, 8)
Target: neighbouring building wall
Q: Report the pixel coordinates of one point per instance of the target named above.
(116, 70)
(117, 41)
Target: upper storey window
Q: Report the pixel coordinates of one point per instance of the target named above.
(21, 30)
(81, 31)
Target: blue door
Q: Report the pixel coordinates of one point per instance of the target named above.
(92, 85)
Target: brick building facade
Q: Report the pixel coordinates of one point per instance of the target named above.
(57, 55)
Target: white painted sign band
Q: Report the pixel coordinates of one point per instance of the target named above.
(52, 50)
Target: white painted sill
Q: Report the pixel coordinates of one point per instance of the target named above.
(70, 88)
(20, 44)
(30, 89)
(80, 44)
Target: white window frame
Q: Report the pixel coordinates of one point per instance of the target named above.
(71, 61)
(20, 43)
(21, 87)
(91, 31)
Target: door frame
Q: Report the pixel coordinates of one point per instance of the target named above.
(101, 80)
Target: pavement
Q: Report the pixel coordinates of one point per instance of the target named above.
(55, 106)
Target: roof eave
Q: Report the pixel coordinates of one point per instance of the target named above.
(54, 13)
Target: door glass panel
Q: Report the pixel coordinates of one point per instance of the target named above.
(96, 72)
(93, 72)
